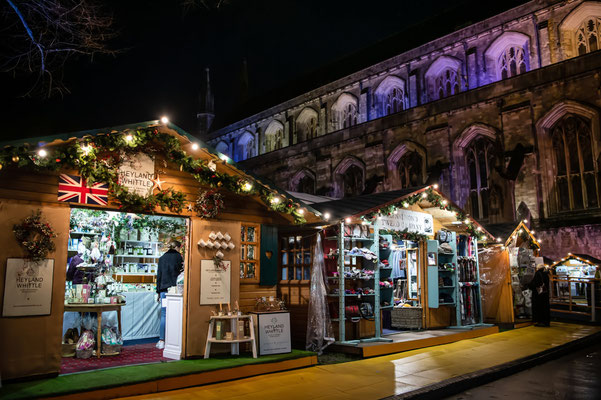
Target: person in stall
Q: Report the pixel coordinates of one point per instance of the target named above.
(171, 264)
(541, 313)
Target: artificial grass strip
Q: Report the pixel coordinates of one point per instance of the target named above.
(121, 376)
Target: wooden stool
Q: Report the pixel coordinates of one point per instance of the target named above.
(235, 342)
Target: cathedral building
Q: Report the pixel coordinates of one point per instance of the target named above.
(503, 114)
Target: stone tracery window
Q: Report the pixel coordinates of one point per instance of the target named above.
(410, 169)
(395, 101)
(480, 156)
(353, 181)
(344, 111)
(246, 146)
(306, 125)
(447, 83)
(576, 183)
(588, 36)
(349, 115)
(274, 136)
(512, 62)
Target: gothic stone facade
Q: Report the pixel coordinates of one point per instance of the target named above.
(503, 115)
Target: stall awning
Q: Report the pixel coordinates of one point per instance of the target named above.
(426, 197)
(584, 258)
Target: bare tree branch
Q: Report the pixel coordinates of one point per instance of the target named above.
(41, 35)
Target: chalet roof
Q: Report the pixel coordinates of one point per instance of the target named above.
(204, 151)
(366, 204)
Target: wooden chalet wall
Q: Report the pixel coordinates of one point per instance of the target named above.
(31, 346)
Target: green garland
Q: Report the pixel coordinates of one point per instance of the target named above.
(404, 235)
(435, 199)
(98, 158)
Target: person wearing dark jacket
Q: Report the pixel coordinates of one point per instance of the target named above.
(541, 313)
(171, 264)
(73, 274)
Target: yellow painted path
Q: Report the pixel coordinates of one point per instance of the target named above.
(384, 376)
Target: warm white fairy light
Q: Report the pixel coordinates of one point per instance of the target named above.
(247, 186)
(86, 149)
(326, 216)
(129, 138)
(348, 220)
(405, 204)
(42, 153)
(478, 229)
(525, 221)
(444, 202)
(194, 146)
(435, 186)
(164, 119)
(300, 211)
(275, 200)
(498, 239)
(424, 195)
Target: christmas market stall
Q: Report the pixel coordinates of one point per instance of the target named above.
(507, 265)
(86, 218)
(576, 286)
(397, 261)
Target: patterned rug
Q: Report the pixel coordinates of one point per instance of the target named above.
(135, 354)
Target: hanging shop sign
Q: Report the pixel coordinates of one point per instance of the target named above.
(273, 329)
(215, 282)
(27, 287)
(410, 221)
(136, 173)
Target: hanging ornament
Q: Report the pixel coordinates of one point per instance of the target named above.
(15, 159)
(157, 182)
(212, 166)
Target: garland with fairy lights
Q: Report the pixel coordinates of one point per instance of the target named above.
(405, 234)
(98, 158)
(434, 198)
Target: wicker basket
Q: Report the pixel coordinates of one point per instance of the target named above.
(111, 348)
(84, 353)
(68, 350)
(406, 317)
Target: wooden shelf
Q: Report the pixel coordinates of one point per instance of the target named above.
(136, 256)
(213, 340)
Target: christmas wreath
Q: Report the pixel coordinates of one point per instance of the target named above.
(209, 203)
(35, 236)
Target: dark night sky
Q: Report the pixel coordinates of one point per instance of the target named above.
(166, 51)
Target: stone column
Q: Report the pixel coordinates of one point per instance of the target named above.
(543, 42)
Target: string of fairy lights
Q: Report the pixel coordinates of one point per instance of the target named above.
(97, 158)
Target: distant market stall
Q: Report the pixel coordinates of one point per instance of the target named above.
(85, 218)
(506, 266)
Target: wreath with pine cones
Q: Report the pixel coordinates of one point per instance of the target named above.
(209, 203)
(35, 236)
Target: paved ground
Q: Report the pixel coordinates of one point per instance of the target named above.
(395, 374)
(577, 376)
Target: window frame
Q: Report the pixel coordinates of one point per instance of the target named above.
(472, 150)
(569, 175)
(292, 266)
(244, 251)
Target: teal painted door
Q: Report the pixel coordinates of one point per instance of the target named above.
(269, 255)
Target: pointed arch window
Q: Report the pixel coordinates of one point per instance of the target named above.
(410, 169)
(447, 83)
(394, 101)
(480, 156)
(349, 115)
(576, 183)
(512, 62)
(352, 181)
(588, 36)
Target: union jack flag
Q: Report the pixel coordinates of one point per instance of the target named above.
(74, 189)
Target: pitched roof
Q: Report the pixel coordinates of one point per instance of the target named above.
(170, 128)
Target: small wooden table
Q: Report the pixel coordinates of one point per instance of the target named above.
(98, 309)
(235, 342)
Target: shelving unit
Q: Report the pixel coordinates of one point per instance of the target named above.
(447, 269)
(372, 282)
